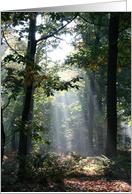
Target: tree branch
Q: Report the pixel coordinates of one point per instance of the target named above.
(90, 22)
(58, 38)
(8, 43)
(56, 32)
(7, 102)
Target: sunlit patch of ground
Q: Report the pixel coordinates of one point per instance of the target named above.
(85, 175)
(73, 185)
(99, 186)
(91, 167)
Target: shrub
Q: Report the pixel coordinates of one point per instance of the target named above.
(115, 167)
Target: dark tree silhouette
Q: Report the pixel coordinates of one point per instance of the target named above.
(111, 144)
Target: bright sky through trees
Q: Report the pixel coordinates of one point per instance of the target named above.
(65, 108)
(63, 49)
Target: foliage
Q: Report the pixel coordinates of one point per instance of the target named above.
(116, 167)
(90, 40)
(51, 172)
(8, 173)
(93, 55)
(19, 70)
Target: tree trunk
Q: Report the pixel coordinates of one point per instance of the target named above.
(91, 100)
(91, 112)
(86, 113)
(111, 142)
(23, 149)
(100, 133)
(28, 105)
(2, 137)
(16, 111)
(100, 127)
(14, 142)
(30, 118)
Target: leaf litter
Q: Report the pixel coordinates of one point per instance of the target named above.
(87, 178)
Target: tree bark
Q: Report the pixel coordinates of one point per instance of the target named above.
(28, 105)
(100, 133)
(91, 100)
(16, 112)
(30, 118)
(2, 137)
(14, 142)
(86, 113)
(111, 142)
(91, 113)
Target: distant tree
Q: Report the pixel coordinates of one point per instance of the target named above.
(31, 73)
(92, 34)
(2, 137)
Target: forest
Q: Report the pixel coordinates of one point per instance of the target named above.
(65, 102)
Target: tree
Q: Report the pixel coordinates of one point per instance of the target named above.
(23, 142)
(2, 137)
(111, 145)
(9, 90)
(31, 68)
(92, 53)
(91, 30)
(37, 76)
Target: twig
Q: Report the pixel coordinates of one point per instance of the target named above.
(51, 35)
(8, 102)
(90, 22)
(8, 43)
(59, 38)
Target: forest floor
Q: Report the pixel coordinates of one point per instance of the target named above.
(71, 174)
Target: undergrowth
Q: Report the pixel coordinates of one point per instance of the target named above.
(56, 168)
